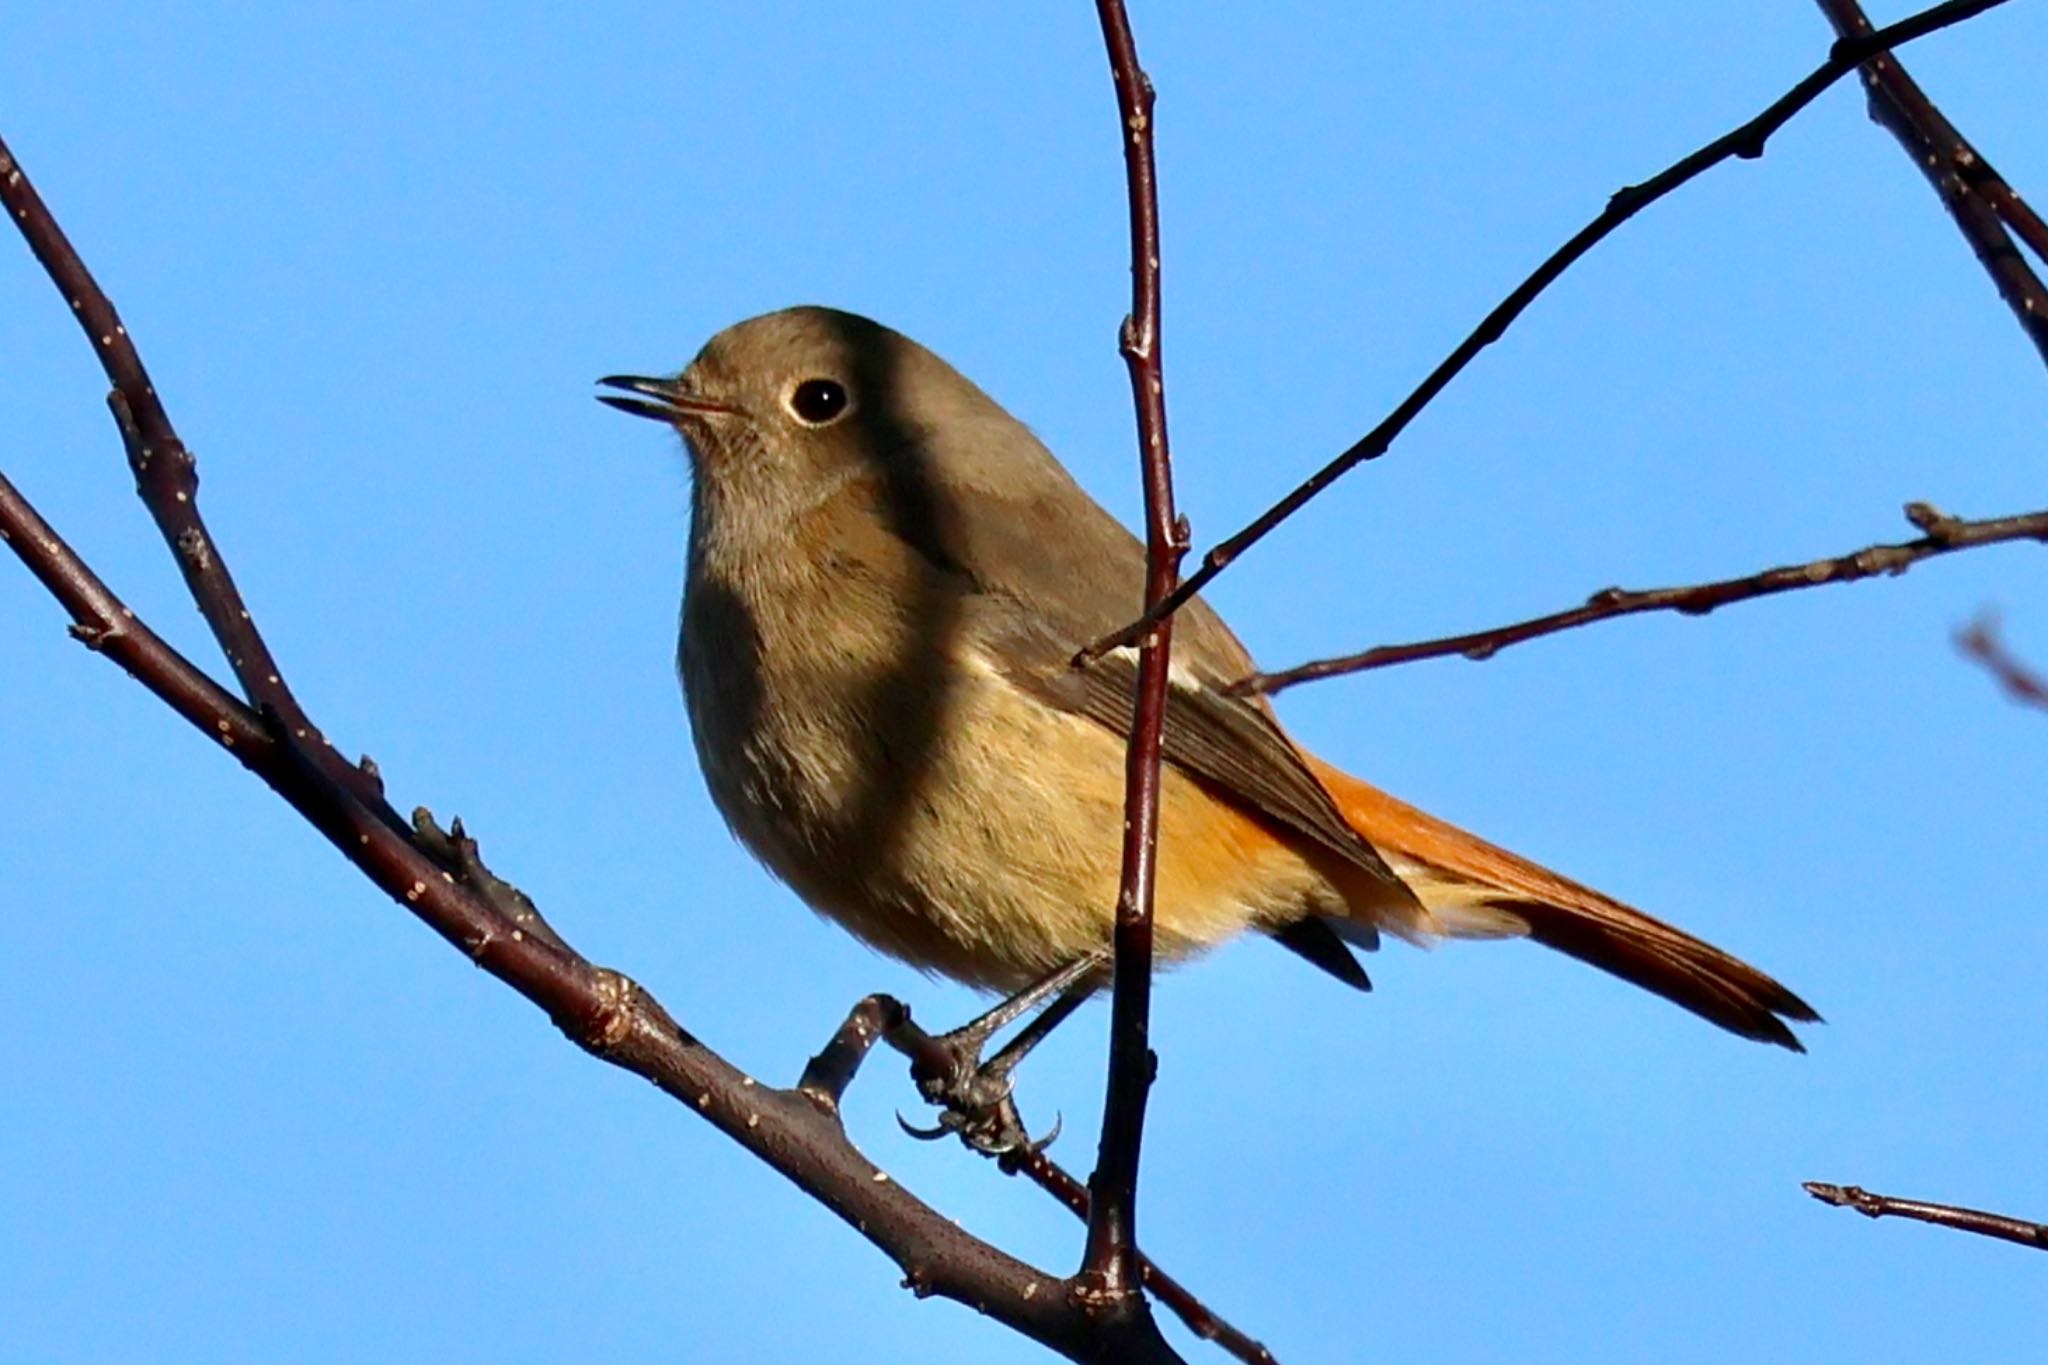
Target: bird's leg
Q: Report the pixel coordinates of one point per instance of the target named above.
(974, 1095)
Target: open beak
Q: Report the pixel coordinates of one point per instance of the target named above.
(661, 400)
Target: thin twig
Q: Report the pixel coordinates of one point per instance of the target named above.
(2018, 215)
(600, 1010)
(827, 1074)
(1982, 204)
(1109, 1269)
(167, 480)
(1981, 641)
(1946, 1215)
(1944, 535)
(1746, 142)
(1031, 1162)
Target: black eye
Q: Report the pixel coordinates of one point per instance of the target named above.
(818, 401)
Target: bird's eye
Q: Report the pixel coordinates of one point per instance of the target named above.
(817, 402)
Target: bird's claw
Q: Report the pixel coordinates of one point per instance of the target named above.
(974, 1102)
(931, 1134)
(1028, 1146)
(997, 1131)
(972, 1095)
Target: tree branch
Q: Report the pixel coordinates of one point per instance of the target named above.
(601, 1010)
(1982, 204)
(1946, 1215)
(1980, 640)
(1746, 142)
(1033, 1164)
(167, 479)
(1109, 1264)
(1944, 535)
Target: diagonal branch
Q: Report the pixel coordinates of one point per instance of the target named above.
(1944, 535)
(1033, 1164)
(1985, 208)
(1946, 1215)
(439, 879)
(167, 479)
(1109, 1264)
(1746, 142)
(1981, 641)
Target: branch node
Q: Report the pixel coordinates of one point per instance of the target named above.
(457, 853)
(192, 546)
(1843, 1197)
(117, 403)
(611, 1022)
(1937, 524)
(1095, 1296)
(1623, 203)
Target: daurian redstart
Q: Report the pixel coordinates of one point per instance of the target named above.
(889, 577)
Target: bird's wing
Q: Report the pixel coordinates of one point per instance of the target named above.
(1051, 571)
(1235, 748)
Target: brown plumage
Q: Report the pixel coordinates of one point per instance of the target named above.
(1451, 871)
(888, 578)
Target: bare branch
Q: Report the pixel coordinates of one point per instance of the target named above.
(1946, 1215)
(1981, 641)
(1746, 142)
(1982, 204)
(1944, 535)
(1109, 1266)
(827, 1075)
(168, 481)
(454, 850)
(440, 879)
(103, 623)
(1031, 1162)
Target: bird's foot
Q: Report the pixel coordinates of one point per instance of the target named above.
(974, 1097)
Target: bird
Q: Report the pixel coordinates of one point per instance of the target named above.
(888, 580)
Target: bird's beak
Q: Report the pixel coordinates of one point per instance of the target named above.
(671, 401)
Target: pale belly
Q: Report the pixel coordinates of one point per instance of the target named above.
(955, 822)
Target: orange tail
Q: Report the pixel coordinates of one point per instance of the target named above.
(1472, 888)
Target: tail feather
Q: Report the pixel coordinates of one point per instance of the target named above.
(1677, 966)
(1469, 887)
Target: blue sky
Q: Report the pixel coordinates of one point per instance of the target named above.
(375, 258)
